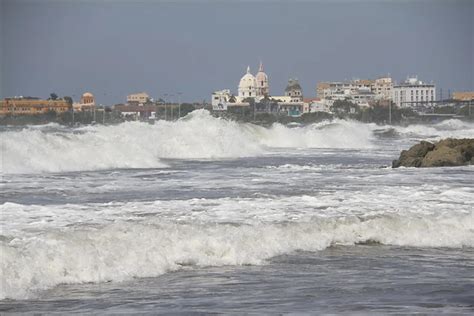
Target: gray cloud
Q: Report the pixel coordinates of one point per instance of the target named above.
(115, 48)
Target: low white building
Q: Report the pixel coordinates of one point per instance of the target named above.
(363, 97)
(414, 93)
(140, 98)
(220, 99)
(320, 106)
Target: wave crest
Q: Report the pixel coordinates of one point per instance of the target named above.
(123, 251)
(141, 145)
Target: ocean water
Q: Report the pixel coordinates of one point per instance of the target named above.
(205, 215)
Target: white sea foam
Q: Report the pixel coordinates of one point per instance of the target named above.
(42, 246)
(46, 245)
(51, 148)
(449, 128)
(338, 134)
(34, 150)
(125, 250)
(140, 145)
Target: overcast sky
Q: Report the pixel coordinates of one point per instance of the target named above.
(113, 48)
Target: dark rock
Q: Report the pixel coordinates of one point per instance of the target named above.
(447, 152)
(443, 156)
(414, 156)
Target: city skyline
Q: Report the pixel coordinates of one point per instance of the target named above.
(114, 49)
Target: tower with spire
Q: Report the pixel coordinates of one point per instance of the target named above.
(263, 88)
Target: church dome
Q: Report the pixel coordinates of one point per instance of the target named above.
(293, 85)
(247, 80)
(88, 94)
(247, 85)
(293, 89)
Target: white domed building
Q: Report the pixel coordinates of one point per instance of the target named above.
(248, 85)
(263, 88)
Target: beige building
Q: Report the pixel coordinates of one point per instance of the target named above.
(138, 98)
(382, 88)
(463, 96)
(87, 102)
(88, 98)
(31, 106)
(320, 87)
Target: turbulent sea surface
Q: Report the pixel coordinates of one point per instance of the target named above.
(205, 215)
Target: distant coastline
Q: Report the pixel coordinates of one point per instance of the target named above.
(377, 115)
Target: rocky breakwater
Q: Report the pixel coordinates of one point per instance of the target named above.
(446, 152)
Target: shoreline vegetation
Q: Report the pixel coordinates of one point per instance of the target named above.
(378, 114)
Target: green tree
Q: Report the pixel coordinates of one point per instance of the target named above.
(345, 109)
(314, 117)
(68, 100)
(53, 96)
(444, 110)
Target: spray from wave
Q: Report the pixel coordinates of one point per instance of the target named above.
(122, 251)
(431, 132)
(140, 145)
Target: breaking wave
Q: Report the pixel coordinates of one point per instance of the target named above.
(124, 250)
(53, 148)
(141, 145)
(433, 132)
